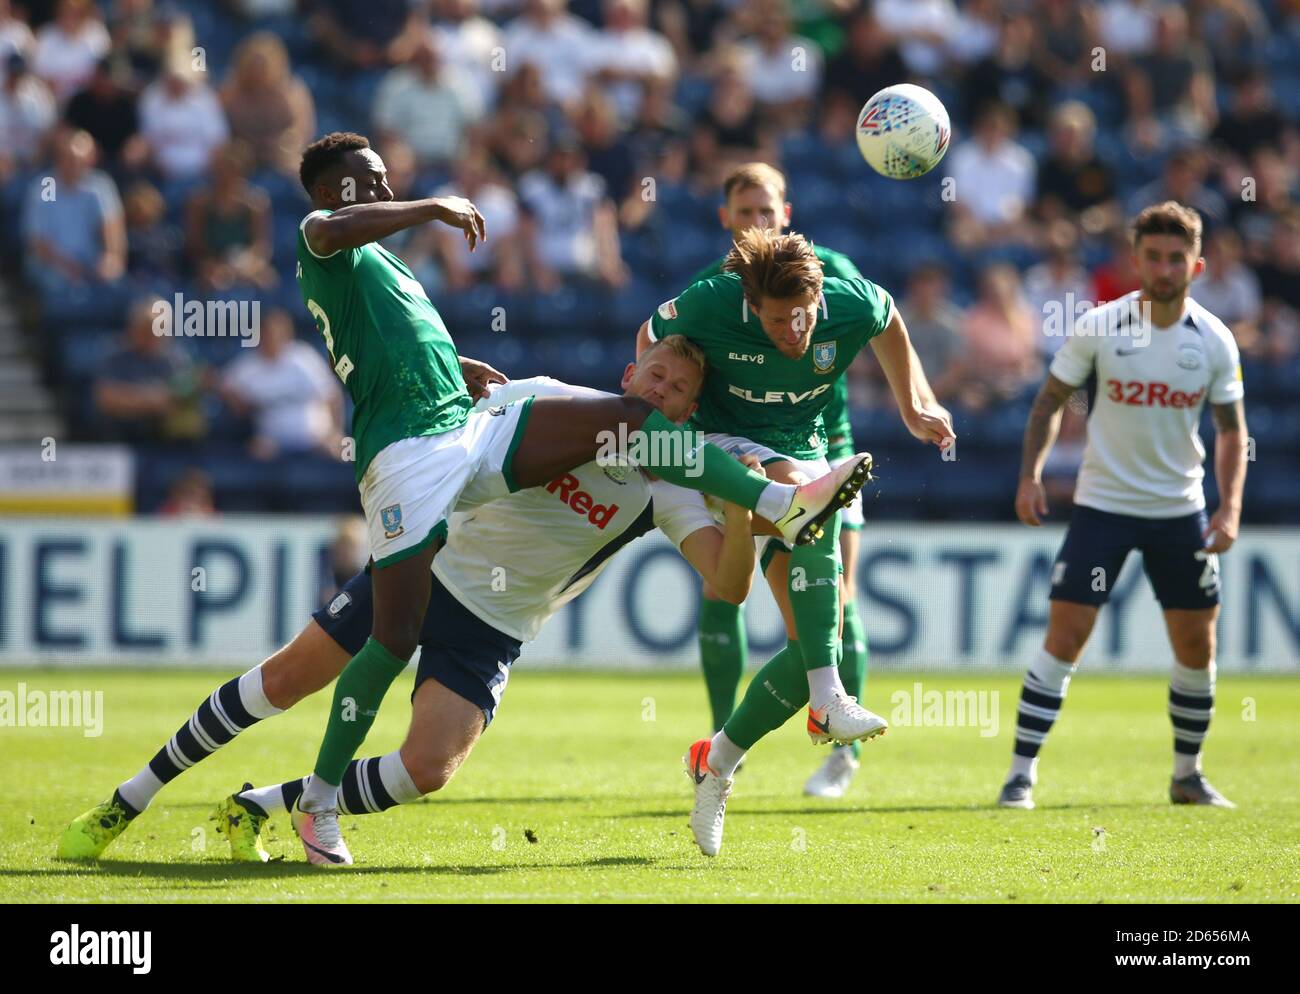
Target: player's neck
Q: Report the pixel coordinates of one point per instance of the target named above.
(1163, 314)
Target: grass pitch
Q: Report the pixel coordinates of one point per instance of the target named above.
(577, 794)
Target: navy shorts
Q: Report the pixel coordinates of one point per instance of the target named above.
(1182, 574)
(461, 651)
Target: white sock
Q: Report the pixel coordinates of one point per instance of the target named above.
(269, 799)
(775, 500)
(397, 779)
(823, 684)
(1047, 675)
(253, 697)
(141, 789)
(724, 755)
(1197, 683)
(319, 796)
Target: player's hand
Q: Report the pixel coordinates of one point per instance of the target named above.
(1221, 532)
(457, 212)
(1031, 502)
(478, 375)
(931, 424)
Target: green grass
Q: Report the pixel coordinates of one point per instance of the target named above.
(573, 760)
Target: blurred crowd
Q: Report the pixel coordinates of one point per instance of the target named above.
(151, 148)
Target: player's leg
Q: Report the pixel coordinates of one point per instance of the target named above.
(299, 669)
(723, 652)
(1091, 557)
(1186, 582)
(562, 433)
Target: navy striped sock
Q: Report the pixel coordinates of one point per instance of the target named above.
(1191, 705)
(1041, 698)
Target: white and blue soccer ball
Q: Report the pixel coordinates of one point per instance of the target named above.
(903, 131)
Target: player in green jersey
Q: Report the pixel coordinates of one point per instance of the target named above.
(754, 196)
(777, 333)
(419, 448)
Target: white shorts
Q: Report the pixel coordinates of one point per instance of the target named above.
(738, 446)
(851, 516)
(411, 487)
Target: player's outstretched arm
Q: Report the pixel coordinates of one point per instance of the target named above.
(360, 224)
(921, 411)
(1040, 433)
(1229, 473)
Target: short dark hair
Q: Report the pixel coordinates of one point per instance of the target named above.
(327, 152)
(1169, 218)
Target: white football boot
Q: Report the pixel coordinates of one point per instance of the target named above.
(711, 793)
(320, 835)
(815, 502)
(844, 720)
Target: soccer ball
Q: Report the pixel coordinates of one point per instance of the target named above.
(903, 131)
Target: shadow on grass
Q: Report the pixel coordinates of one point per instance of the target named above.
(281, 869)
(433, 799)
(814, 809)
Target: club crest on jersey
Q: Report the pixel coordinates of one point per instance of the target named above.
(339, 603)
(617, 472)
(823, 356)
(391, 519)
(1189, 357)
(668, 309)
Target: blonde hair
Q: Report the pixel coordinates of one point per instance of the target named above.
(782, 267)
(749, 175)
(680, 346)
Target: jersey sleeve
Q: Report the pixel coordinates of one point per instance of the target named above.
(678, 512)
(873, 305)
(840, 266)
(1075, 359)
(1226, 384)
(694, 311)
(533, 386)
(338, 259)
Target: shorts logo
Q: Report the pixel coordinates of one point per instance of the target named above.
(339, 603)
(497, 411)
(1189, 357)
(1058, 573)
(391, 519)
(824, 356)
(668, 309)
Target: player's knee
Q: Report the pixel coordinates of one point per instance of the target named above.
(399, 638)
(279, 685)
(431, 773)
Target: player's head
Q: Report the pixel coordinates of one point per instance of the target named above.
(342, 169)
(782, 279)
(1167, 250)
(753, 196)
(668, 376)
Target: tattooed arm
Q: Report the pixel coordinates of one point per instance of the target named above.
(1040, 434)
(1229, 472)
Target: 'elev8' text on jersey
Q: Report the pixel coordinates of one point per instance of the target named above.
(751, 389)
(387, 344)
(839, 430)
(1144, 454)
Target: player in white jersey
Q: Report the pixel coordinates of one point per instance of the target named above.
(547, 544)
(1157, 357)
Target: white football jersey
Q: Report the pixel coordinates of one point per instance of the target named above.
(515, 561)
(1144, 454)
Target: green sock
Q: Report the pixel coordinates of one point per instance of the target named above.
(815, 597)
(723, 649)
(854, 653)
(777, 691)
(357, 695)
(711, 471)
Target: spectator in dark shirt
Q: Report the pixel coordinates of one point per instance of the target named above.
(1066, 39)
(1010, 76)
(1073, 183)
(149, 391)
(228, 227)
(1251, 122)
(154, 245)
(608, 153)
(367, 34)
(106, 110)
(1170, 90)
(1183, 180)
(868, 62)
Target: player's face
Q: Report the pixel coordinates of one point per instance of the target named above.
(361, 179)
(1166, 266)
(755, 207)
(667, 382)
(788, 323)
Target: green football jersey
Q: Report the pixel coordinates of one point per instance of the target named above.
(836, 413)
(387, 344)
(754, 391)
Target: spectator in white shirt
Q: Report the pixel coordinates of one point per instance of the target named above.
(470, 44)
(923, 29)
(499, 258)
(630, 57)
(69, 47)
(558, 43)
(288, 390)
(182, 120)
(27, 112)
(421, 102)
(994, 180)
(1229, 289)
(15, 37)
(783, 70)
